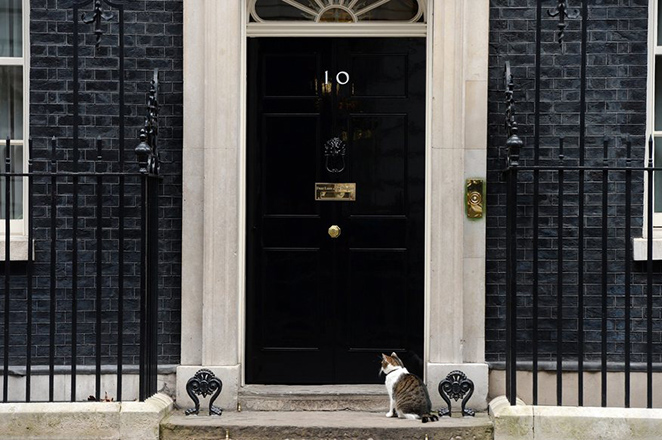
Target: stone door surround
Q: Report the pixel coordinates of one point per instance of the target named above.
(214, 192)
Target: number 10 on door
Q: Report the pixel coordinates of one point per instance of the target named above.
(342, 77)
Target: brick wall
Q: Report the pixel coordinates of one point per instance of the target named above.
(615, 108)
(153, 40)
(615, 95)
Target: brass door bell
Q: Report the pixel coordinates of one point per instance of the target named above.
(475, 198)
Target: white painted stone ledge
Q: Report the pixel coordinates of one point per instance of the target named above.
(640, 248)
(18, 248)
(525, 422)
(84, 420)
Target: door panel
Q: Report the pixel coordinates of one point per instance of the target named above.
(293, 293)
(287, 158)
(321, 309)
(373, 275)
(379, 144)
(382, 75)
(289, 74)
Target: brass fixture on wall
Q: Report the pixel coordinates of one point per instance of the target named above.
(475, 198)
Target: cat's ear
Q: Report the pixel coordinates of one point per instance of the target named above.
(394, 355)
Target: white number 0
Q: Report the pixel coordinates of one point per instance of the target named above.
(338, 80)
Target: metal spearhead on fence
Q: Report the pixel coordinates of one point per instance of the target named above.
(97, 15)
(513, 144)
(561, 11)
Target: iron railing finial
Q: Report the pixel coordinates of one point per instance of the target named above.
(514, 143)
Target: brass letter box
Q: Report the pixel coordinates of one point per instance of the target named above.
(335, 192)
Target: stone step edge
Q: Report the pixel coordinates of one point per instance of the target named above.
(315, 403)
(369, 398)
(312, 390)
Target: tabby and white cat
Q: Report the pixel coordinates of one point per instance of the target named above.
(408, 394)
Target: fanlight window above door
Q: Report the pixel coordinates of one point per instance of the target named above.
(337, 11)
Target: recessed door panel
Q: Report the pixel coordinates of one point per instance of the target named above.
(289, 75)
(375, 274)
(334, 280)
(289, 141)
(293, 298)
(379, 153)
(382, 75)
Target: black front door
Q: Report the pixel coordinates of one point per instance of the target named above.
(321, 309)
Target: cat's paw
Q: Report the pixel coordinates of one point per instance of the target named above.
(391, 414)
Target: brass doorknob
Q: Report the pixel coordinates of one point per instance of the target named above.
(334, 231)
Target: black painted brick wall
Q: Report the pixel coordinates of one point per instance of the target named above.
(616, 108)
(153, 40)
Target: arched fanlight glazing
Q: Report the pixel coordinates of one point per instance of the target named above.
(337, 11)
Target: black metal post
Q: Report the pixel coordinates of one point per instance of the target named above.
(28, 274)
(580, 232)
(74, 232)
(99, 275)
(559, 285)
(153, 280)
(511, 274)
(53, 280)
(143, 392)
(514, 145)
(536, 192)
(628, 263)
(649, 277)
(121, 213)
(605, 268)
(120, 289)
(5, 372)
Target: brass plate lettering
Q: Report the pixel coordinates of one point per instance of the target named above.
(335, 192)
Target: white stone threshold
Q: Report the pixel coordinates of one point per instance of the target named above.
(526, 422)
(85, 420)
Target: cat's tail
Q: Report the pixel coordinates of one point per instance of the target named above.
(429, 418)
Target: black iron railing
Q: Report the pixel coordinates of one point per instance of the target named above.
(85, 298)
(574, 293)
(577, 299)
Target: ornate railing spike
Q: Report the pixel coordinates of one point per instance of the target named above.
(511, 123)
(514, 144)
(147, 150)
(97, 16)
(561, 11)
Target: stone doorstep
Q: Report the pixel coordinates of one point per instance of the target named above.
(317, 425)
(366, 398)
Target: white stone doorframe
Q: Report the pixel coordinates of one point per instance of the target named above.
(214, 193)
